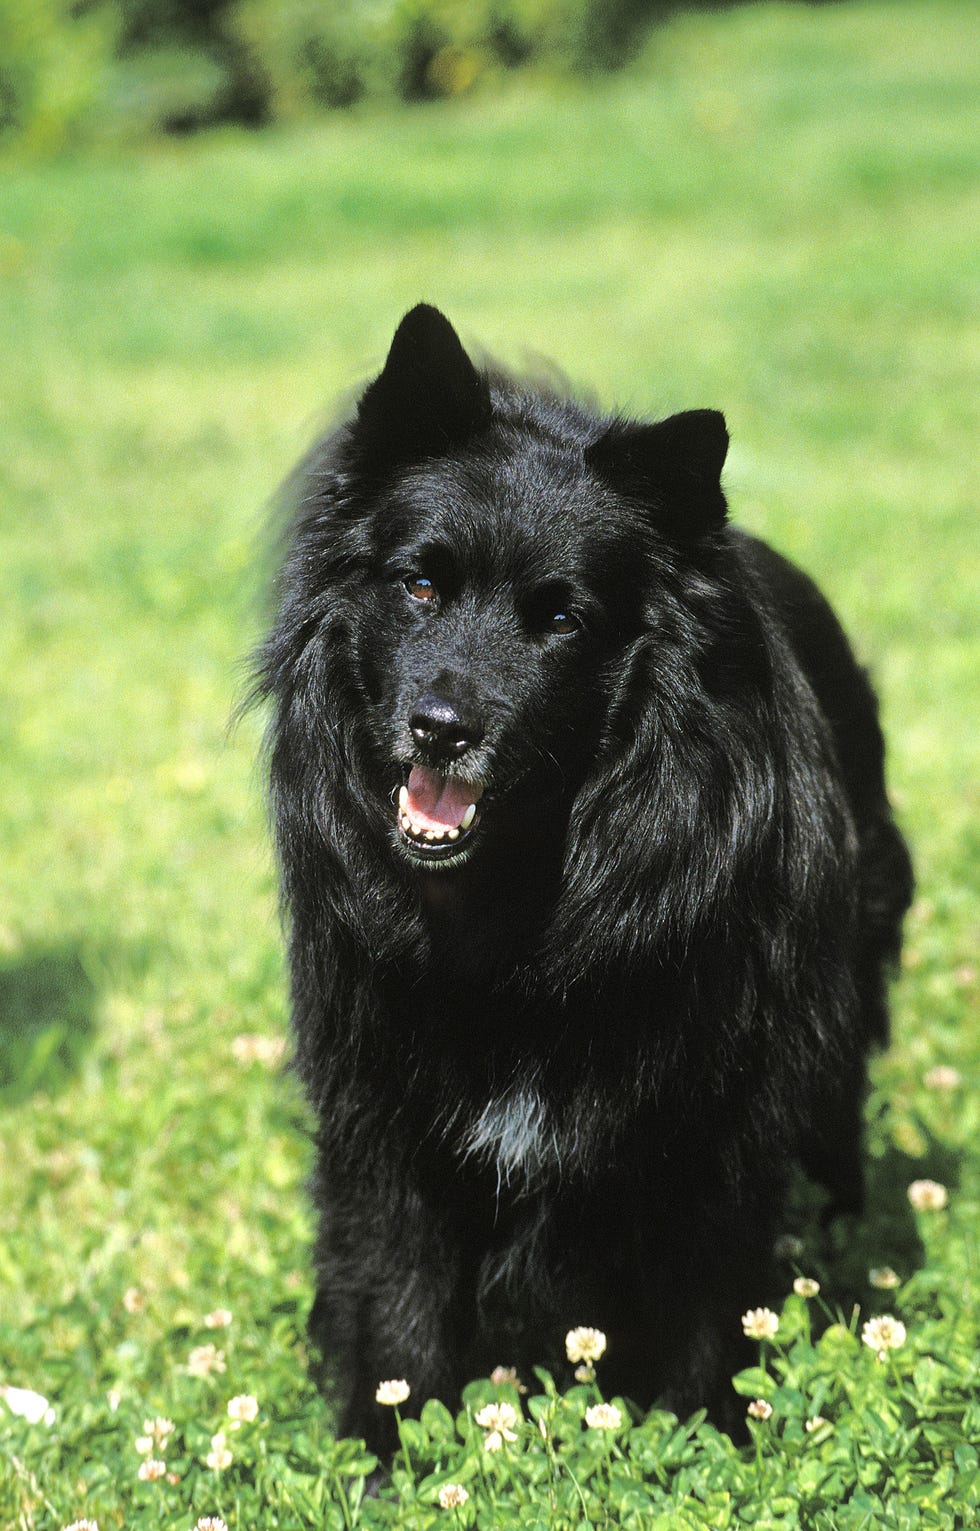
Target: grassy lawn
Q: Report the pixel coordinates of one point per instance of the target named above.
(774, 213)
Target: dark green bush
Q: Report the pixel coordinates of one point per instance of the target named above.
(53, 68)
(133, 65)
(609, 32)
(311, 55)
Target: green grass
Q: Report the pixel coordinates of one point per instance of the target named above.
(774, 212)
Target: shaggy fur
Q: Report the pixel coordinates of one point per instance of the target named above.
(562, 1060)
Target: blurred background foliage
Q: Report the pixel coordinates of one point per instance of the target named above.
(75, 70)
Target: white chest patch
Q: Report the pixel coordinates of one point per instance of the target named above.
(513, 1133)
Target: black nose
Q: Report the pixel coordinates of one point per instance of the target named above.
(444, 728)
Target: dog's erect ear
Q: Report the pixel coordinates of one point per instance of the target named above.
(428, 397)
(673, 466)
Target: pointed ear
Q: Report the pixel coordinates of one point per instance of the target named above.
(428, 397)
(673, 466)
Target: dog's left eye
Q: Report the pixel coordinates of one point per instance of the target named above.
(420, 588)
(549, 612)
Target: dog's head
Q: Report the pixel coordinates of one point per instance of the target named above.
(507, 546)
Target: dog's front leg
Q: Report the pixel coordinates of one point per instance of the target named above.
(390, 1305)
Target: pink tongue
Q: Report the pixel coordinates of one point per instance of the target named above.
(439, 802)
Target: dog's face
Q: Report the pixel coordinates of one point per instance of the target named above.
(492, 619)
(510, 570)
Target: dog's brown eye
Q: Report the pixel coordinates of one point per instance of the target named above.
(420, 588)
(549, 612)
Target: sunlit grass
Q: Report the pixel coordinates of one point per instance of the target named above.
(773, 213)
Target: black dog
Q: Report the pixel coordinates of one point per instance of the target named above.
(591, 883)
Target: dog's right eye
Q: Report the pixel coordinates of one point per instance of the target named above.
(420, 588)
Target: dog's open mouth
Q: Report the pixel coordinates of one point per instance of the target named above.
(437, 814)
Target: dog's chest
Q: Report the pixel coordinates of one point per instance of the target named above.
(515, 1135)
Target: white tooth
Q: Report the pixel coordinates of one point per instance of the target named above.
(454, 834)
(403, 799)
(468, 817)
(430, 834)
(406, 822)
(415, 828)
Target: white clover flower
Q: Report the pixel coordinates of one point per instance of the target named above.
(144, 1445)
(760, 1408)
(205, 1359)
(159, 1430)
(493, 1441)
(499, 1419)
(134, 1301)
(452, 1496)
(585, 1372)
(585, 1344)
(814, 1423)
(219, 1457)
(253, 1048)
(82, 1525)
(927, 1195)
(884, 1333)
(24, 1402)
(151, 1469)
(603, 1416)
(805, 1286)
(943, 1077)
(113, 1399)
(884, 1278)
(788, 1247)
(760, 1323)
(243, 1409)
(211, 1523)
(503, 1374)
(219, 1319)
(392, 1393)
